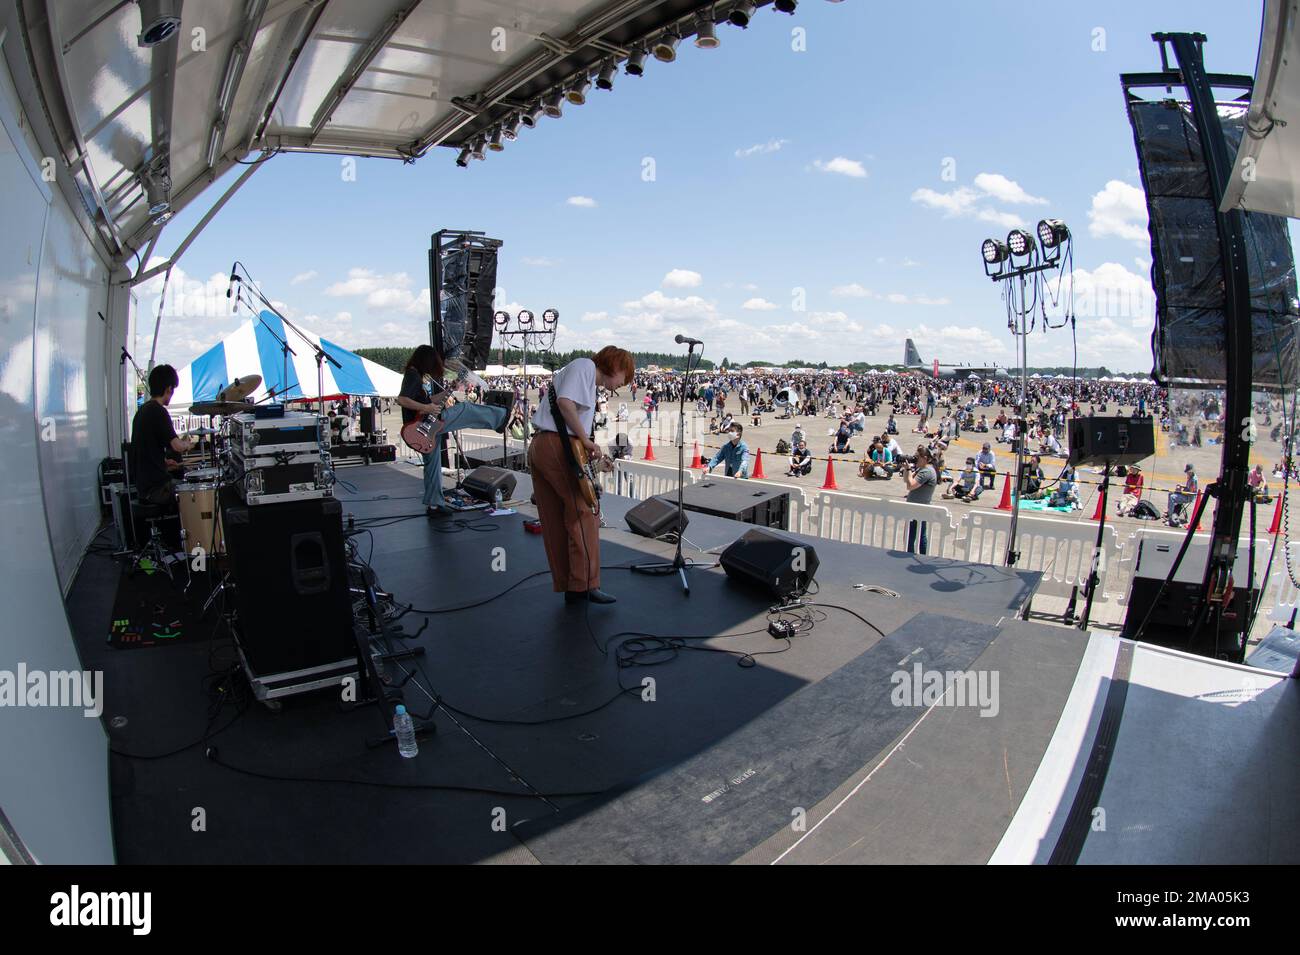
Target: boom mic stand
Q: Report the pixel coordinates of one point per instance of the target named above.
(679, 563)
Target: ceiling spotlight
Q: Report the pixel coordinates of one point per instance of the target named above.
(551, 104)
(706, 37)
(741, 14)
(605, 79)
(157, 181)
(162, 217)
(1020, 242)
(665, 48)
(636, 62)
(510, 128)
(494, 142)
(550, 318)
(159, 21)
(785, 6)
(1052, 232)
(577, 93)
(531, 115)
(476, 151)
(463, 159)
(525, 318)
(994, 251)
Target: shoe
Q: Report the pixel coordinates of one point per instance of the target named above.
(595, 595)
(434, 512)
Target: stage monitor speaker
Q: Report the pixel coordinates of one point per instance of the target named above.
(780, 564)
(368, 418)
(655, 517)
(1111, 440)
(483, 483)
(291, 585)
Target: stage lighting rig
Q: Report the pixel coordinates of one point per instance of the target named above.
(1019, 259)
(706, 37)
(605, 78)
(635, 65)
(665, 48)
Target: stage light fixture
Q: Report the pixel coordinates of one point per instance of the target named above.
(706, 37)
(157, 182)
(463, 159)
(1020, 242)
(994, 251)
(501, 319)
(577, 93)
(665, 48)
(636, 62)
(605, 79)
(741, 14)
(1052, 232)
(510, 128)
(525, 318)
(159, 22)
(550, 318)
(531, 115)
(785, 6)
(494, 142)
(551, 105)
(476, 151)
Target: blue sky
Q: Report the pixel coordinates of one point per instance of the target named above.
(823, 203)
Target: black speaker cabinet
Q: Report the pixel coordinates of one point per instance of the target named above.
(1110, 440)
(655, 517)
(291, 585)
(483, 483)
(776, 562)
(368, 419)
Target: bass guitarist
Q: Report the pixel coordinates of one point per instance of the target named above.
(424, 393)
(570, 530)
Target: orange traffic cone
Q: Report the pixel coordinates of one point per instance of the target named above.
(1097, 514)
(649, 450)
(1005, 503)
(1277, 517)
(697, 463)
(830, 484)
(1195, 505)
(758, 466)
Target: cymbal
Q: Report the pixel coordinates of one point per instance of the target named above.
(218, 407)
(204, 432)
(240, 388)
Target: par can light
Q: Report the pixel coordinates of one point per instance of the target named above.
(994, 251)
(1020, 242)
(1052, 232)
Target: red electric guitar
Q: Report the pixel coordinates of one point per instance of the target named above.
(421, 435)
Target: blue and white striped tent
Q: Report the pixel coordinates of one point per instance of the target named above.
(252, 349)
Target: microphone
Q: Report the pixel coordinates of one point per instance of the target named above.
(234, 277)
(683, 340)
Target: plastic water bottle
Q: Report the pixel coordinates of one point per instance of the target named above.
(404, 729)
(496, 499)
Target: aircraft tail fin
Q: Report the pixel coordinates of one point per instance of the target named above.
(911, 357)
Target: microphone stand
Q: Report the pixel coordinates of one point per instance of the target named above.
(121, 366)
(679, 563)
(285, 351)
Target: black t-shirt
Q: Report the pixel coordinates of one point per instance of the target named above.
(413, 387)
(151, 437)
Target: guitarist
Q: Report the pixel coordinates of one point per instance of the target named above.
(423, 392)
(570, 531)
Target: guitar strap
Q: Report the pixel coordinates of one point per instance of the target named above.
(562, 428)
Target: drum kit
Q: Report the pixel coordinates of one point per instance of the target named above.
(198, 494)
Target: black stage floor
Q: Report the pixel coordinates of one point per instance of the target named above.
(551, 748)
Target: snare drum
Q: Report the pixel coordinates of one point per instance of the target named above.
(200, 516)
(201, 475)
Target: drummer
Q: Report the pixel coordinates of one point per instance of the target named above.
(155, 447)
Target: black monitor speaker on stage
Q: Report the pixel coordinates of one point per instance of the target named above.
(482, 483)
(655, 517)
(1111, 440)
(779, 564)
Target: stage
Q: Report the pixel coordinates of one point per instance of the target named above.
(551, 747)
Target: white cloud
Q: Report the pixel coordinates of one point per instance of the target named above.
(852, 290)
(303, 277)
(1119, 210)
(682, 278)
(844, 167)
(759, 305)
(1004, 189)
(540, 261)
(1008, 220)
(961, 201)
(381, 292)
(771, 146)
(585, 202)
(595, 316)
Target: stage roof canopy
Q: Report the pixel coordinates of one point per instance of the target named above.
(147, 128)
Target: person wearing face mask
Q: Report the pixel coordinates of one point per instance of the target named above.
(734, 455)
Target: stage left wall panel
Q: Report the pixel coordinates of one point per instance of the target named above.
(53, 758)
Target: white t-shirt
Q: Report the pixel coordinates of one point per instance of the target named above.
(577, 382)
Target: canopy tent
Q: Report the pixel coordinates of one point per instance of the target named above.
(253, 349)
(498, 371)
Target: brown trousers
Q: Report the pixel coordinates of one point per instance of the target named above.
(570, 532)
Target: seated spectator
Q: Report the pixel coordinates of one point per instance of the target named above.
(841, 443)
(1051, 445)
(1032, 484)
(1133, 481)
(987, 465)
(874, 465)
(966, 485)
(800, 461)
(892, 426)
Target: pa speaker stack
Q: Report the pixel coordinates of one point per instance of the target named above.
(780, 564)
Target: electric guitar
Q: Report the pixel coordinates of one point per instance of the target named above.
(421, 435)
(588, 484)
